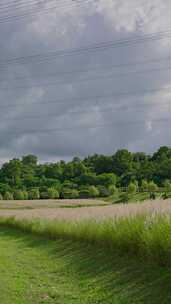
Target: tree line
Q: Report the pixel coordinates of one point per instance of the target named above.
(93, 176)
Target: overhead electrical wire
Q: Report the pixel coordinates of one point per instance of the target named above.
(92, 48)
(96, 97)
(32, 13)
(102, 67)
(95, 78)
(11, 6)
(84, 49)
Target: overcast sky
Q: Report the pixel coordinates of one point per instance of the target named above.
(101, 90)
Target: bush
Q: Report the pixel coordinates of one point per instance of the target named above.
(93, 191)
(112, 189)
(25, 194)
(144, 186)
(8, 196)
(44, 195)
(34, 194)
(124, 198)
(132, 188)
(70, 194)
(1, 197)
(152, 196)
(106, 179)
(84, 193)
(19, 195)
(53, 193)
(104, 192)
(152, 187)
(4, 188)
(167, 186)
(165, 196)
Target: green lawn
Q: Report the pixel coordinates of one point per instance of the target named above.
(35, 270)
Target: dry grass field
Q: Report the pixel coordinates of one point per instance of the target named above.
(93, 209)
(38, 204)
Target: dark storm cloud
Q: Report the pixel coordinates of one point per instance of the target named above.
(29, 91)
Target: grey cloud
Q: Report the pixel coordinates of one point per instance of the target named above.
(40, 35)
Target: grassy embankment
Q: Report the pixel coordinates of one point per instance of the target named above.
(148, 237)
(36, 270)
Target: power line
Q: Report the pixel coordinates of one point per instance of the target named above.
(89, 48)
(92, 78)
(95, 78)
(32, 13)
(16, 4)
(22, 4)
(96, 97)
(104, 67)
(44, 11)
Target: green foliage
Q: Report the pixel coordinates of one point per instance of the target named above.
(149, 236)
(93, 191)
(44, 195)
(5, 188)
(112, 189)
(132, 188)
(53, 193)
(167, 186)
(106, 179)
(8, 196)
(1, 197)
(34, 194)
(144, 185)
(103, 191)
(30, 160)
(46, 278)
(124, 198)
(70, 194)
(120, 169)
(19, 195)
(25, 194)
(84, 193)
(152, 187)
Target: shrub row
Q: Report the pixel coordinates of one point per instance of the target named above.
(52, 193)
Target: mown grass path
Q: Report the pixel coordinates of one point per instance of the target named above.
(35, 270)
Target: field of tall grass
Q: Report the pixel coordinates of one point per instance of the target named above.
(147, 236)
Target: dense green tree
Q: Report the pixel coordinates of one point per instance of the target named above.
(101, 171)
(30, 160)
(11, 172)
(122, 161)
(106, 179)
